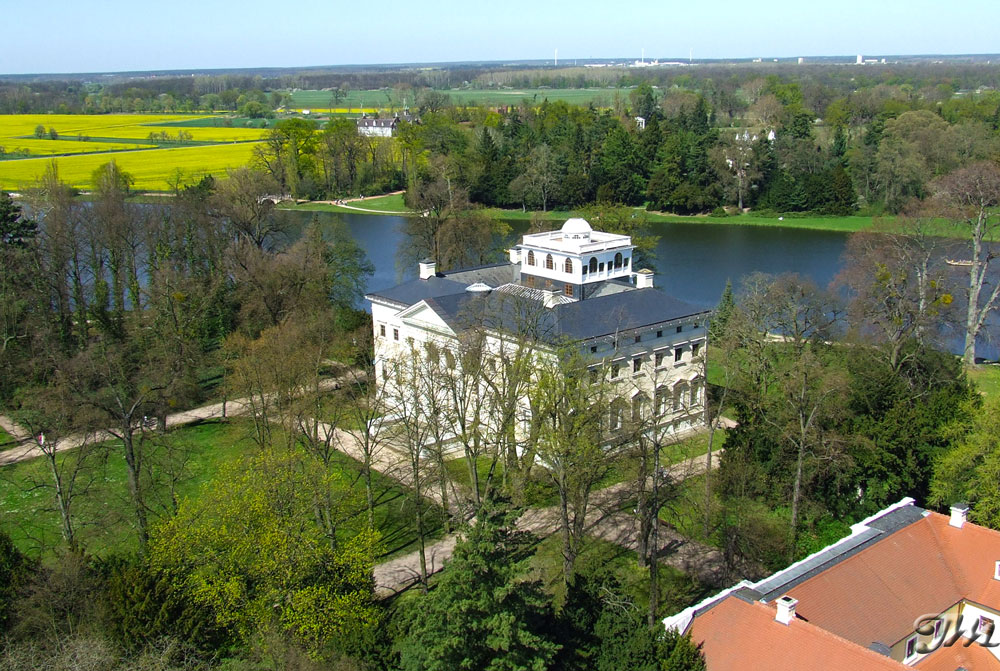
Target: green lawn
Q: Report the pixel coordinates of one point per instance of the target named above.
(103, 515)
(391, 204)
(6, 440)
(987, 378)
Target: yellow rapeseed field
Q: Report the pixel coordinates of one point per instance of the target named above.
(68, 146)
(150, 165)
(150, 168)
(14, 125)
(198, 133)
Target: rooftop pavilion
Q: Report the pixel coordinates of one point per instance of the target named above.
(574, 259)
(576, 237)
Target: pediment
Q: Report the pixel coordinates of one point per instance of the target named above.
(422, 315)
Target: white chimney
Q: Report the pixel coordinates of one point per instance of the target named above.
(959, 515)
(786, 609)
(428, 269)
(644, 279)
(515, 255)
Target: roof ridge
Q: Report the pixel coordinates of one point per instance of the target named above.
(962, 584)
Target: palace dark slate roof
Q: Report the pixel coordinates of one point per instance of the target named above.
(612, 309)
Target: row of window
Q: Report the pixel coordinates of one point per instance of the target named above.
(658, 359)
(381, 332)
(529, 281)
(594, 266)
(681, 397)
(638, 338)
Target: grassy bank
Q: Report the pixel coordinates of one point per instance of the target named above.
(194, 453)
(6, 440)
(391, 204)
(987, 378)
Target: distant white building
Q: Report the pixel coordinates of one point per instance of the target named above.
(374, 127)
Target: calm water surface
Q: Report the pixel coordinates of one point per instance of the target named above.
(693, 261)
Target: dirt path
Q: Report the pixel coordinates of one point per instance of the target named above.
(605, 520)
(605, 517)
(29, 450)
(13, 428)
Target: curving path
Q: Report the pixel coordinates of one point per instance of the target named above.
(608, 517)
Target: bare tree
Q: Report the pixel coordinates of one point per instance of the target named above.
(898, 290)
(581, 430)
(53, 424)
(972, 195)
(406, 379)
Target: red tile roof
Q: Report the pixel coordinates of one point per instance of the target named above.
(973, 658)
(873, 595)
(741, 636)
(926, 567)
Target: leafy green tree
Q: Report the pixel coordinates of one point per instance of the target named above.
(970, 469)
(13, 572)
(643, 100)
(483, 614)
(627, 642)
(15, 229)
(620, 176)
(248, 548)
(143, 606)
(539, 183)
(22, 318)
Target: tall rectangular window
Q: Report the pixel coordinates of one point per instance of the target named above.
(568, 290)
(694, 349)
(381, 330)
(678, 353)
(636, 365)
(659, 359)
(395, 334)
(616, 370)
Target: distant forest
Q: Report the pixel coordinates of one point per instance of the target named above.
(824, 138)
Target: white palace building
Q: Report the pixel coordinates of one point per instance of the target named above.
(580, 289)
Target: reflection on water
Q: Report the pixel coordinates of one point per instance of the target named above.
(693, 261)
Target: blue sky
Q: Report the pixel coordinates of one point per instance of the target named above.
(115, 35)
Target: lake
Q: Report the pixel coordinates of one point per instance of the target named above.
(693, 262)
